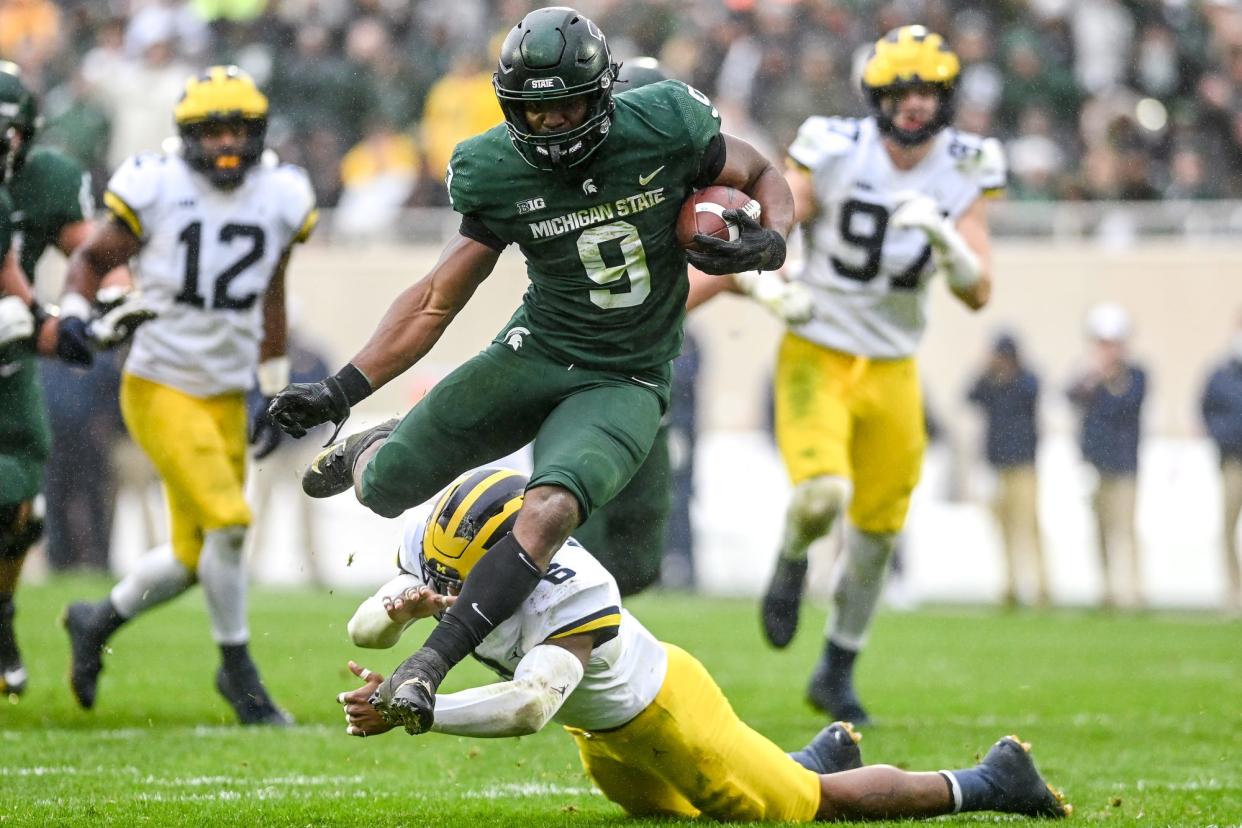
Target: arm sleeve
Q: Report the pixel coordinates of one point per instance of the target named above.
(473, 227)
(543, 680)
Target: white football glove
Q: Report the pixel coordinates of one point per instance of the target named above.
(790, 301)
(953, 255)
(16, 320)
(118, 313)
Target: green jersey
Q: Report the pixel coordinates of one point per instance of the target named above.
(607, 279)
(24, 436)
(50, 191)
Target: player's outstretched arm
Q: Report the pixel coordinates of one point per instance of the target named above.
(380, 620)
(543, 680)
(419, 316)
(412, 325)
(963, 252)
(111, 245)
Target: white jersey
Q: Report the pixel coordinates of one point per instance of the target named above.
(870, 281)
(206, 260)
(577, 595)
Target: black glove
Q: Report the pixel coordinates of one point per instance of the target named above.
(73, 342)
(756, 248)
(304, 405)
(264, 435)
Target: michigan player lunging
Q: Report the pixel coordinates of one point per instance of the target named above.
(654, 731)
(888, 201)
(210, 229)
(588, 186)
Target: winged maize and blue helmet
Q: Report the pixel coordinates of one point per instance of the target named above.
(222, 96)
(555, 54)
(473, 513)
(905, 58)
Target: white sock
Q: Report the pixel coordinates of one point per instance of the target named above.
(157, 578)
(813, 508)
(223, 578)
(860, 579)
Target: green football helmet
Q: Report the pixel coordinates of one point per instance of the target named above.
(556, 54)
(19, 113)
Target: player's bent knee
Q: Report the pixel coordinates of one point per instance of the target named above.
(20, 528)
(549, 513)
(815, 503)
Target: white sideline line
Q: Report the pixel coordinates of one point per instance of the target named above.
(128, 733)
(528, 789)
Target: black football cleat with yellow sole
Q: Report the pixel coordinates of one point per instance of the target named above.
(332, 471)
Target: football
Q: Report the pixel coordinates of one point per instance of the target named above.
(701, 214)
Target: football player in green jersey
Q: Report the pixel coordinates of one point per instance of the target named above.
(46, 202)
(588, 186)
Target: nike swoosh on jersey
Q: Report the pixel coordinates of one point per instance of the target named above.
(644, 180)
(475, 606)
(644, 382)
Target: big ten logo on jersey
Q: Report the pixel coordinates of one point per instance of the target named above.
(530, 205)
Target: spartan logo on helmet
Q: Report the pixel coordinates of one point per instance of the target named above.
(222, 98)
(555, 54)
(910, 57)
(476, 510)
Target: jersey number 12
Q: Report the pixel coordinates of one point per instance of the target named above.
(192, 238)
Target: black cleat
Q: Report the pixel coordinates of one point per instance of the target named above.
(1016, 782)
(332, 471)
(246, 694)
(12, 671)
(783, 602)
(87, 637)
(408, 697)
(835, 696)
(834, 749)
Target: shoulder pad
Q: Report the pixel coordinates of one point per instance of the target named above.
(137, 180)
(296, 198)
(980, 159)
(412, 539)
(821, 139)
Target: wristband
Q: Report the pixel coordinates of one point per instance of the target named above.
(353, 383)
(273, 375)
(75, 305)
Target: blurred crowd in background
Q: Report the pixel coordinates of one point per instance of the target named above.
(1095, 99)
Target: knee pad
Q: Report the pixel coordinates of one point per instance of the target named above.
(21, 524)
(815, 503)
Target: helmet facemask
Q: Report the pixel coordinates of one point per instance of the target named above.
(225, 168)
(885, 100)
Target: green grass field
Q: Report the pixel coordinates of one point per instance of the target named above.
(1138, 718)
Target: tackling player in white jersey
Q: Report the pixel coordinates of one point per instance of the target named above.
(208, 230)
(886, 202)
(653, 729)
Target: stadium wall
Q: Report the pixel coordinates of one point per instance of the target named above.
(1183, 298)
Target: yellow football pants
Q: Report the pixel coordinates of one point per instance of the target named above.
(688, 754)
(853, 417)
(198, 446)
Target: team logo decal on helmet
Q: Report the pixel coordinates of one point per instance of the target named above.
(906, 58)
(19, 115)
(476, 510)
(222, 97)
(555, 54)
